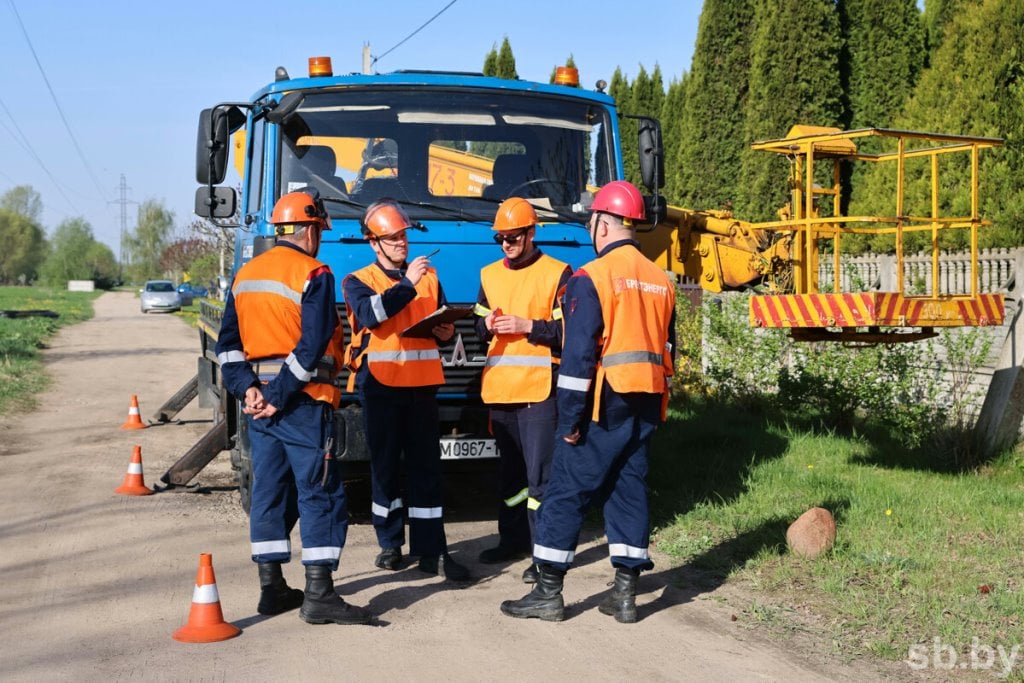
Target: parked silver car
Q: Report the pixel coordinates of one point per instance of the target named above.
(159, 295)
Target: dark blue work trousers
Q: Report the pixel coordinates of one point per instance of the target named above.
(525, 436)
(607, 467)
(288, 483)
(402, 429)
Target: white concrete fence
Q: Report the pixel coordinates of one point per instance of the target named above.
(997, 392)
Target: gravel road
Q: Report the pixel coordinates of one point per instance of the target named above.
(92, 584)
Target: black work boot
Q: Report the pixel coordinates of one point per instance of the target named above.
(389, 558)
(544, 601)
(275, 595)
(322, 605)
(621, 601)
(452, 570)
(530, 574)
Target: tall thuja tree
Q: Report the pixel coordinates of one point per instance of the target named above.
(491, 62)
(506, 65)
(794, 78)
(706, 165)
(937, 14)
(671, 135)
(882, 59)
(975, 86)
(621, 91)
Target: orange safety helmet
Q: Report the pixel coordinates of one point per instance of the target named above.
(385, 218)
(299, 208)
(513, 214)
(620, 198)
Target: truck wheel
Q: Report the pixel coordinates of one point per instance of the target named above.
(241, 461)
(244, 478)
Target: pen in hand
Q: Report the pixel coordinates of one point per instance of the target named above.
(433, 253)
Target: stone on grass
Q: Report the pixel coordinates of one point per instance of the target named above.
(813, 533)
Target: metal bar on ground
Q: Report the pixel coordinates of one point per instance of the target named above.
(176, 403)
(199, 456)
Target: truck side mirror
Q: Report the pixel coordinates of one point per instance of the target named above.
(212, 141)
(652, 154)
(656, 209)
(215, 202)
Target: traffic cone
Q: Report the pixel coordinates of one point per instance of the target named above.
(134, 421)
(133, 485)
(205, 620)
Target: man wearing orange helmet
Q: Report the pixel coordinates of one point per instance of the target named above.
(612, 384)
(520, 317)
(279, 349)
(397, 378)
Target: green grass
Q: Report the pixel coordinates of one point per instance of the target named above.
(915, 540)
(21, 367)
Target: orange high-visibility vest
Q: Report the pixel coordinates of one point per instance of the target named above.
(516, 370)
(637, 299)
(393, 360)
(268, 298)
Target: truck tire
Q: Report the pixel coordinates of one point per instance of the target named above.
(241, 461)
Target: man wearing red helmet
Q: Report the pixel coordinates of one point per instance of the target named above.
(520, 317)
(397, 378)
(279, 349)
(612, 385)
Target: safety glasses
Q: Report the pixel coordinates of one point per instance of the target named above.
(510, 238)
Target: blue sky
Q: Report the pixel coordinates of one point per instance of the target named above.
(131, 77)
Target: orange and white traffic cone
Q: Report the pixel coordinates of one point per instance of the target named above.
(134, 420)
(205, 620)
(133, 484)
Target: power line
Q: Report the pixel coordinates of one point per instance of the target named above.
(411, 34)
(23, 140)
(56, 103)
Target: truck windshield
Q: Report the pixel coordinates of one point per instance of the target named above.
(445, 152)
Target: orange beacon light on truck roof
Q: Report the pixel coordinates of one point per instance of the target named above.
(320, 66)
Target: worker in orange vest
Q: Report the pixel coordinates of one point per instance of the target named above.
(612, 392)
(280, 349)
(520, 317)
(397, 378)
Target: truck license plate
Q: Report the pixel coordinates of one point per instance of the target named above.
(463, 449)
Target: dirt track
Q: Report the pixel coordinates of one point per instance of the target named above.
(92, 584)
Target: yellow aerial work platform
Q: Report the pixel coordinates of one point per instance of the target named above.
(817, 231)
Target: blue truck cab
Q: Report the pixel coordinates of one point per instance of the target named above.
(450, 147)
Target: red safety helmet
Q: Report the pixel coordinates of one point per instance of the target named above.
(385, 218)
(513, 214)
(299, 208)
(620, 198)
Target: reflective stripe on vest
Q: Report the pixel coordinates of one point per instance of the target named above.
(516, 370)
(392, 359)
(631, 357)
(268, 297)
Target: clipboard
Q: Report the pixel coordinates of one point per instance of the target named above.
(445, 314)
